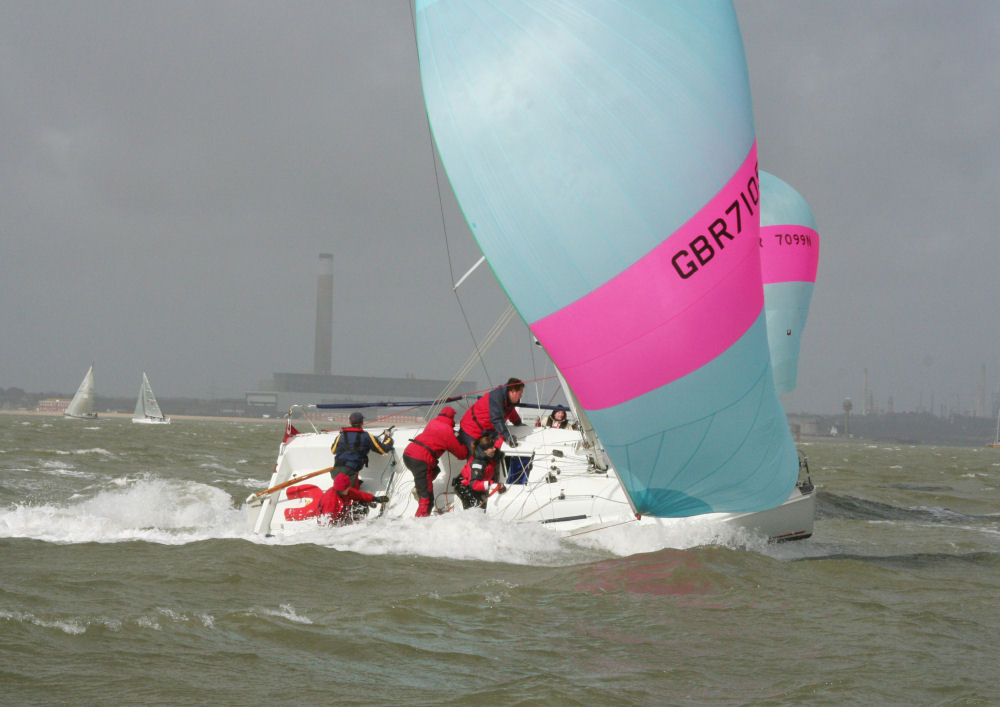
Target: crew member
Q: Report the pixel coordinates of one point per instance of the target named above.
(352, 446)
(422, 454)
(477, 483)
(556, 419)
(342, 504)
(491, 412)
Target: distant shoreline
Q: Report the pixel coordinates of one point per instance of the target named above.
(128, 415)
(338, 419)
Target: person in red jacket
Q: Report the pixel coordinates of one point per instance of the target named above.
(422, 454)
(491, 412)
(341, 504)
(477, 481)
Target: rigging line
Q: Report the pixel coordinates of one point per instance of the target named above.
(488, 339)
(483, 391)
(534, 367)
(535, 344)
(478, 353)
(491, 336)
(530, 488)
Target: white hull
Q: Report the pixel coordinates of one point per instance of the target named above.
(151, 420)
(564, 490)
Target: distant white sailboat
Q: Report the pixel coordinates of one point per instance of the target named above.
(996, 438)
(147, 411)
(82, 404)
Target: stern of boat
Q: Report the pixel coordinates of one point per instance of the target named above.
(301, 476)
(793, 519)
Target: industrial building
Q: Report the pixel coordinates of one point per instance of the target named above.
(321, 386)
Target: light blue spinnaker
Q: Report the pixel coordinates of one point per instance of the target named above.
(603, 154)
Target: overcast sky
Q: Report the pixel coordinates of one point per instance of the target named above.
(170, 172)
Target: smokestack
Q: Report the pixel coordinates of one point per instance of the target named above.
(324, 316)
(981, 398)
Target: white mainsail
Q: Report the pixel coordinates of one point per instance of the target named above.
(147, 410)
(82, 404)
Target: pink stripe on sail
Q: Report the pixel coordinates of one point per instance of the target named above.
(788, 254)
(670, 313)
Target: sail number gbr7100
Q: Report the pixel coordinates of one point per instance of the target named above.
(724, 228)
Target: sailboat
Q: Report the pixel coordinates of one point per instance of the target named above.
(789, 256)
(147, 410)
(996, 437)
(83, 402)
(605, 161)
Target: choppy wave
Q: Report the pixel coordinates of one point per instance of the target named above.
(69, 452)
(70, 626)
(59, 469)
(854, 508)
(285, 611)
(154, 510)
(154, 620)
(924, 560)
(216, 467)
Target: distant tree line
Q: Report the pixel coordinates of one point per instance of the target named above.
(917, 428)
(14, 398)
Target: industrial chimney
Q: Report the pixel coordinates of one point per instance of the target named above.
(324, 316)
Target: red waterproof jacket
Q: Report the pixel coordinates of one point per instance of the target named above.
(436, 439)
(480, 469)
(334, 506)
(490, 413)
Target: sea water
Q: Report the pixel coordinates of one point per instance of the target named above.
(128, 575)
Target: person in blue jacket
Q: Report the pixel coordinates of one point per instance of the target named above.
(352, 446)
